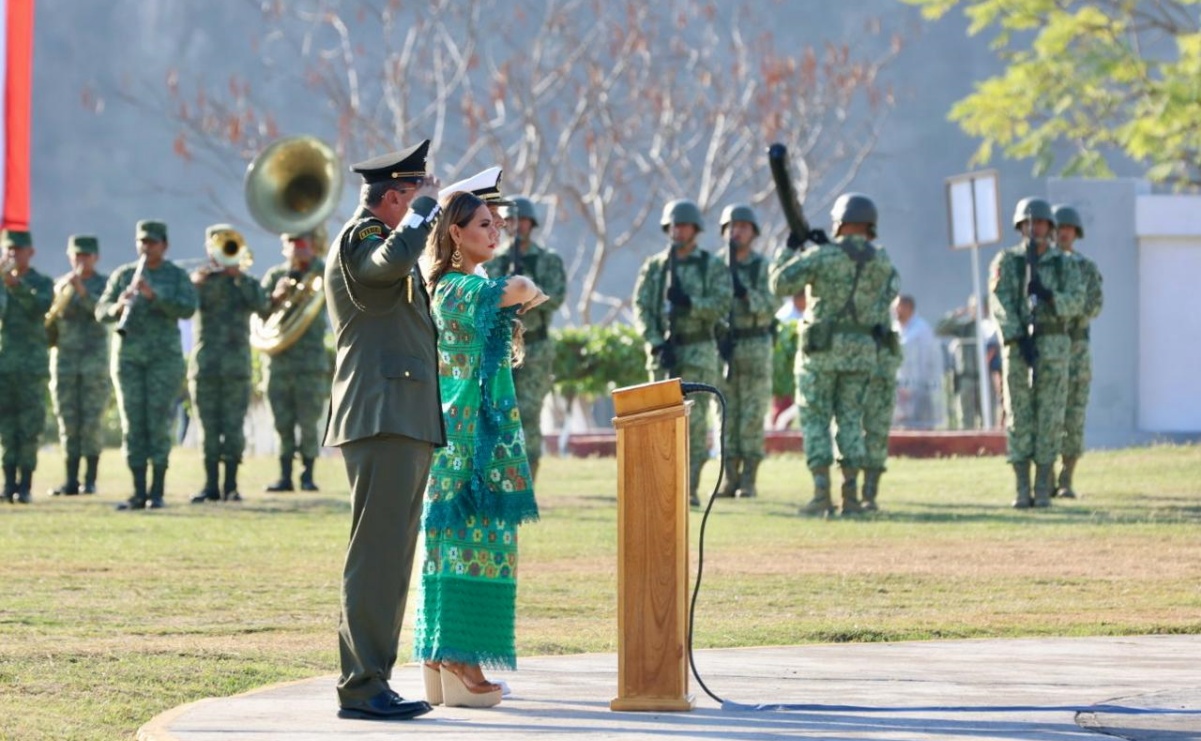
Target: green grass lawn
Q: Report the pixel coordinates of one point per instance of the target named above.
(107, 618)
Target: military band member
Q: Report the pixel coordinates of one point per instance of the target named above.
(534, 378)
(24, 364)
(146, 299)
(851, 285)
(680, 296)
(1069, 229)
(297, 377)
(219, 367)
(385, 415)
(79, 382)
(1035, 296)
(747, 352)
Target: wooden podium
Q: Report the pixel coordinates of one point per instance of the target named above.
(652, 547)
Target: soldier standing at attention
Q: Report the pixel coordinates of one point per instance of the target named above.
(219, 369)
(79, 382)
(1035, 295)
(1070, 228)
(146, 299)
(385, 415)
(533, 379)
(960, 326)
(747, 351)
(851, 285)
(297, 377)
(680, 296)
(24, 364)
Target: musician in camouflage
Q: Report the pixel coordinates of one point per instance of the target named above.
(79, 382)
(533, 378)
(746, 352)
(147, 362)
(681, 295)
(1035, 296)
(851, 285)
(1069, 229)
(24, 365)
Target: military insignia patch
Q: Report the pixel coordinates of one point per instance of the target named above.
(370, 231)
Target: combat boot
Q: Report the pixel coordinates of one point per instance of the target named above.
(285, 476)
(1065, 489)
(820, 505)
(871, 488)
(1022, 473)
(71, 486)
(306, 476)
(158, 485)
(850, 492)
(138, 500)
(746, 482)
(89, 476)
(1042, 484)
(731, 479)
(212, 488)
(10, 483)
(230, 492)
(25, 487)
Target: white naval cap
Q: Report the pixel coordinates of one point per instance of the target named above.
(485, 185)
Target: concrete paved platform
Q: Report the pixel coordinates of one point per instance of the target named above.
(1145, 688)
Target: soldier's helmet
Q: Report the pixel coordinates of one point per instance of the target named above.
(1032, 208)
(854, 208)
(682, 211)
(523, 208)
(1065, 215)
(739, 212)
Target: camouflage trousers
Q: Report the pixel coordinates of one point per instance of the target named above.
(1034, 403)
(698, 364)
(825, 396)
(533, 381)
(22, 418)
(298, 402)
(79, 403)
(146, 395)
(1080, 379)
(221, 402)
(967, 398)
(747, 393)
(879, 400)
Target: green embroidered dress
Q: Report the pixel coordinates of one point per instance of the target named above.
(480, 488)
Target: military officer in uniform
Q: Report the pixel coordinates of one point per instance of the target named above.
(1035, 296)
(385, 415)
(24, 364)
(146, 299)
(523, 256)
(681, 294)
(297, 377)
(1069, 229)
(851, 285)
(219, 368)
(79, 382)
(747, 351)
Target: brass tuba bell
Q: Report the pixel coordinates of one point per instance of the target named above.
(292, 187)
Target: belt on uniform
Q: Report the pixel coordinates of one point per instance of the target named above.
(693, 338)
(535, 335)
(1048, 328)
(1079, 333)
(847, 328)
(748, 332)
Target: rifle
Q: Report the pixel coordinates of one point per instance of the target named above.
(798, 226)
(1026, 343)
(725, 348)
(668, 361)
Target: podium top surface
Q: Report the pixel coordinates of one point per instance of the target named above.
(647, 397)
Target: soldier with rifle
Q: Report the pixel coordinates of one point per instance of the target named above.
(681, 295)
(1035, 295)
(746, 351)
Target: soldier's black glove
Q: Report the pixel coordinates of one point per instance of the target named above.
(818, 236)
(795, 241)
(1028, 349)
(1036, 288)
(739, 289)
(665, 355)
(678, 296)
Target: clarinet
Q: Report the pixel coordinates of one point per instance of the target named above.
(137, 275)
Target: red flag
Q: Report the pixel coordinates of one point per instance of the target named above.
(17, 58)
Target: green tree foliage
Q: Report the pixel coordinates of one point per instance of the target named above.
(1102, 76)
(593, 360)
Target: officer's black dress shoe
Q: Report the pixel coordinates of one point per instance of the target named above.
(387, 705)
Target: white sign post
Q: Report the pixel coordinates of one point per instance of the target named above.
(973, 218)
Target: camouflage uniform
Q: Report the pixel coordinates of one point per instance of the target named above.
(879, 401)
(783, 360)
(298, 382)
(148, 368)
(533, 379)
(838, 351)
(706, 280)
(219, 373)
(1080, 372)
(1035, 397)
(79, 382)
(24, 368)
(960, 326)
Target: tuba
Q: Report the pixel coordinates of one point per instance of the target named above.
(292, 187)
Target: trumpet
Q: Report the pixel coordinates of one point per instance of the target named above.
(64, 291)
(8, 265)
(137, 276)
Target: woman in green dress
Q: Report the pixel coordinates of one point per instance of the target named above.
(480, 488)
